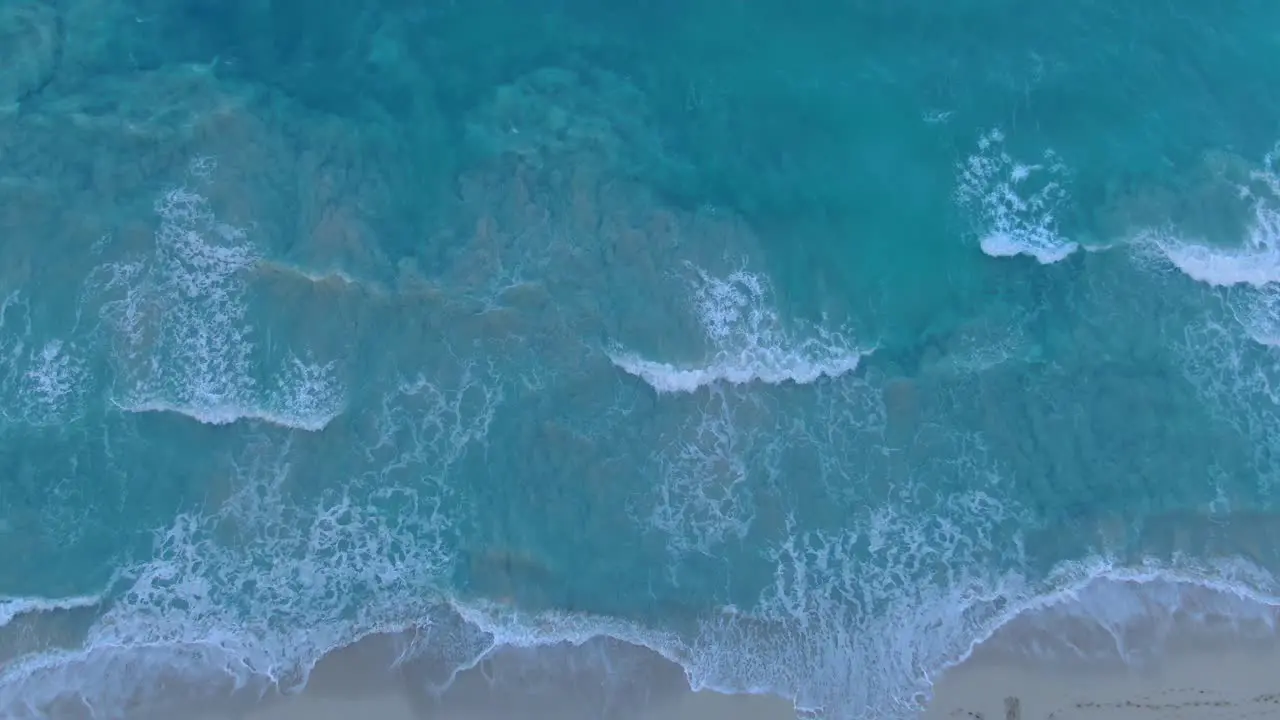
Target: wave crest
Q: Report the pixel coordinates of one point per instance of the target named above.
(748, 341)
(1250, 269)
(1017, 205)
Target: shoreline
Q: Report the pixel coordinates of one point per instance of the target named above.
(1195, 678)
(1174, 649)
(354, 683)
(1221, 682)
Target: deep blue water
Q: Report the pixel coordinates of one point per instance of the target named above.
(805, 345)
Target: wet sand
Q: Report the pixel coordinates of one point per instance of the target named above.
(398, 706)
(1197, 679)
(1200, 679)
(354, 684)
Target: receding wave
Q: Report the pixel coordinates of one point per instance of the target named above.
(748, 343)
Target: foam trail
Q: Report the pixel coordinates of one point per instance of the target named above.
(43, 383)
(1016, 204)
(227, 415)
(704, 497)
(749, 341)
(185, 340)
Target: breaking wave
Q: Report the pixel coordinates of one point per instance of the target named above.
(1248, 271)
(748, 343)
(1016, 205)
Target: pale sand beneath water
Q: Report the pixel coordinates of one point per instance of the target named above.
(1200, 683)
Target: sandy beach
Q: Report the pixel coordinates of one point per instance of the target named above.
(1195, 685)
(1212, 672)
(398, 706)
(1195, 679)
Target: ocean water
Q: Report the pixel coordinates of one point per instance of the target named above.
(806, 344)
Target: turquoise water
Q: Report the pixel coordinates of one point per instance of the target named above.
(804, 345)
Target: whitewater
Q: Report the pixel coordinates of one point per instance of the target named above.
(835, 629)
(809, 352)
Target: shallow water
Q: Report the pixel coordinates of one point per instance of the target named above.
(804, 346)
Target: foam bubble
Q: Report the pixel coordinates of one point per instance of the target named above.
(749, 343)
(860, 622)
(1256, 264)
(426, 426)
(306, 397)
(1239, 382)
(1016, 205)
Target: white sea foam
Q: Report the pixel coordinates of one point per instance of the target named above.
(1238, 381)
(1252, 267)
(306, 398)
(254, 594)
(809, 651)
(13, 607)
(1255, 262)
(1016, 205)
(748, 343)
(704, 494)
(185, 342)
(845, 630)
(298, 582)
(857, 619)
(43, 382)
